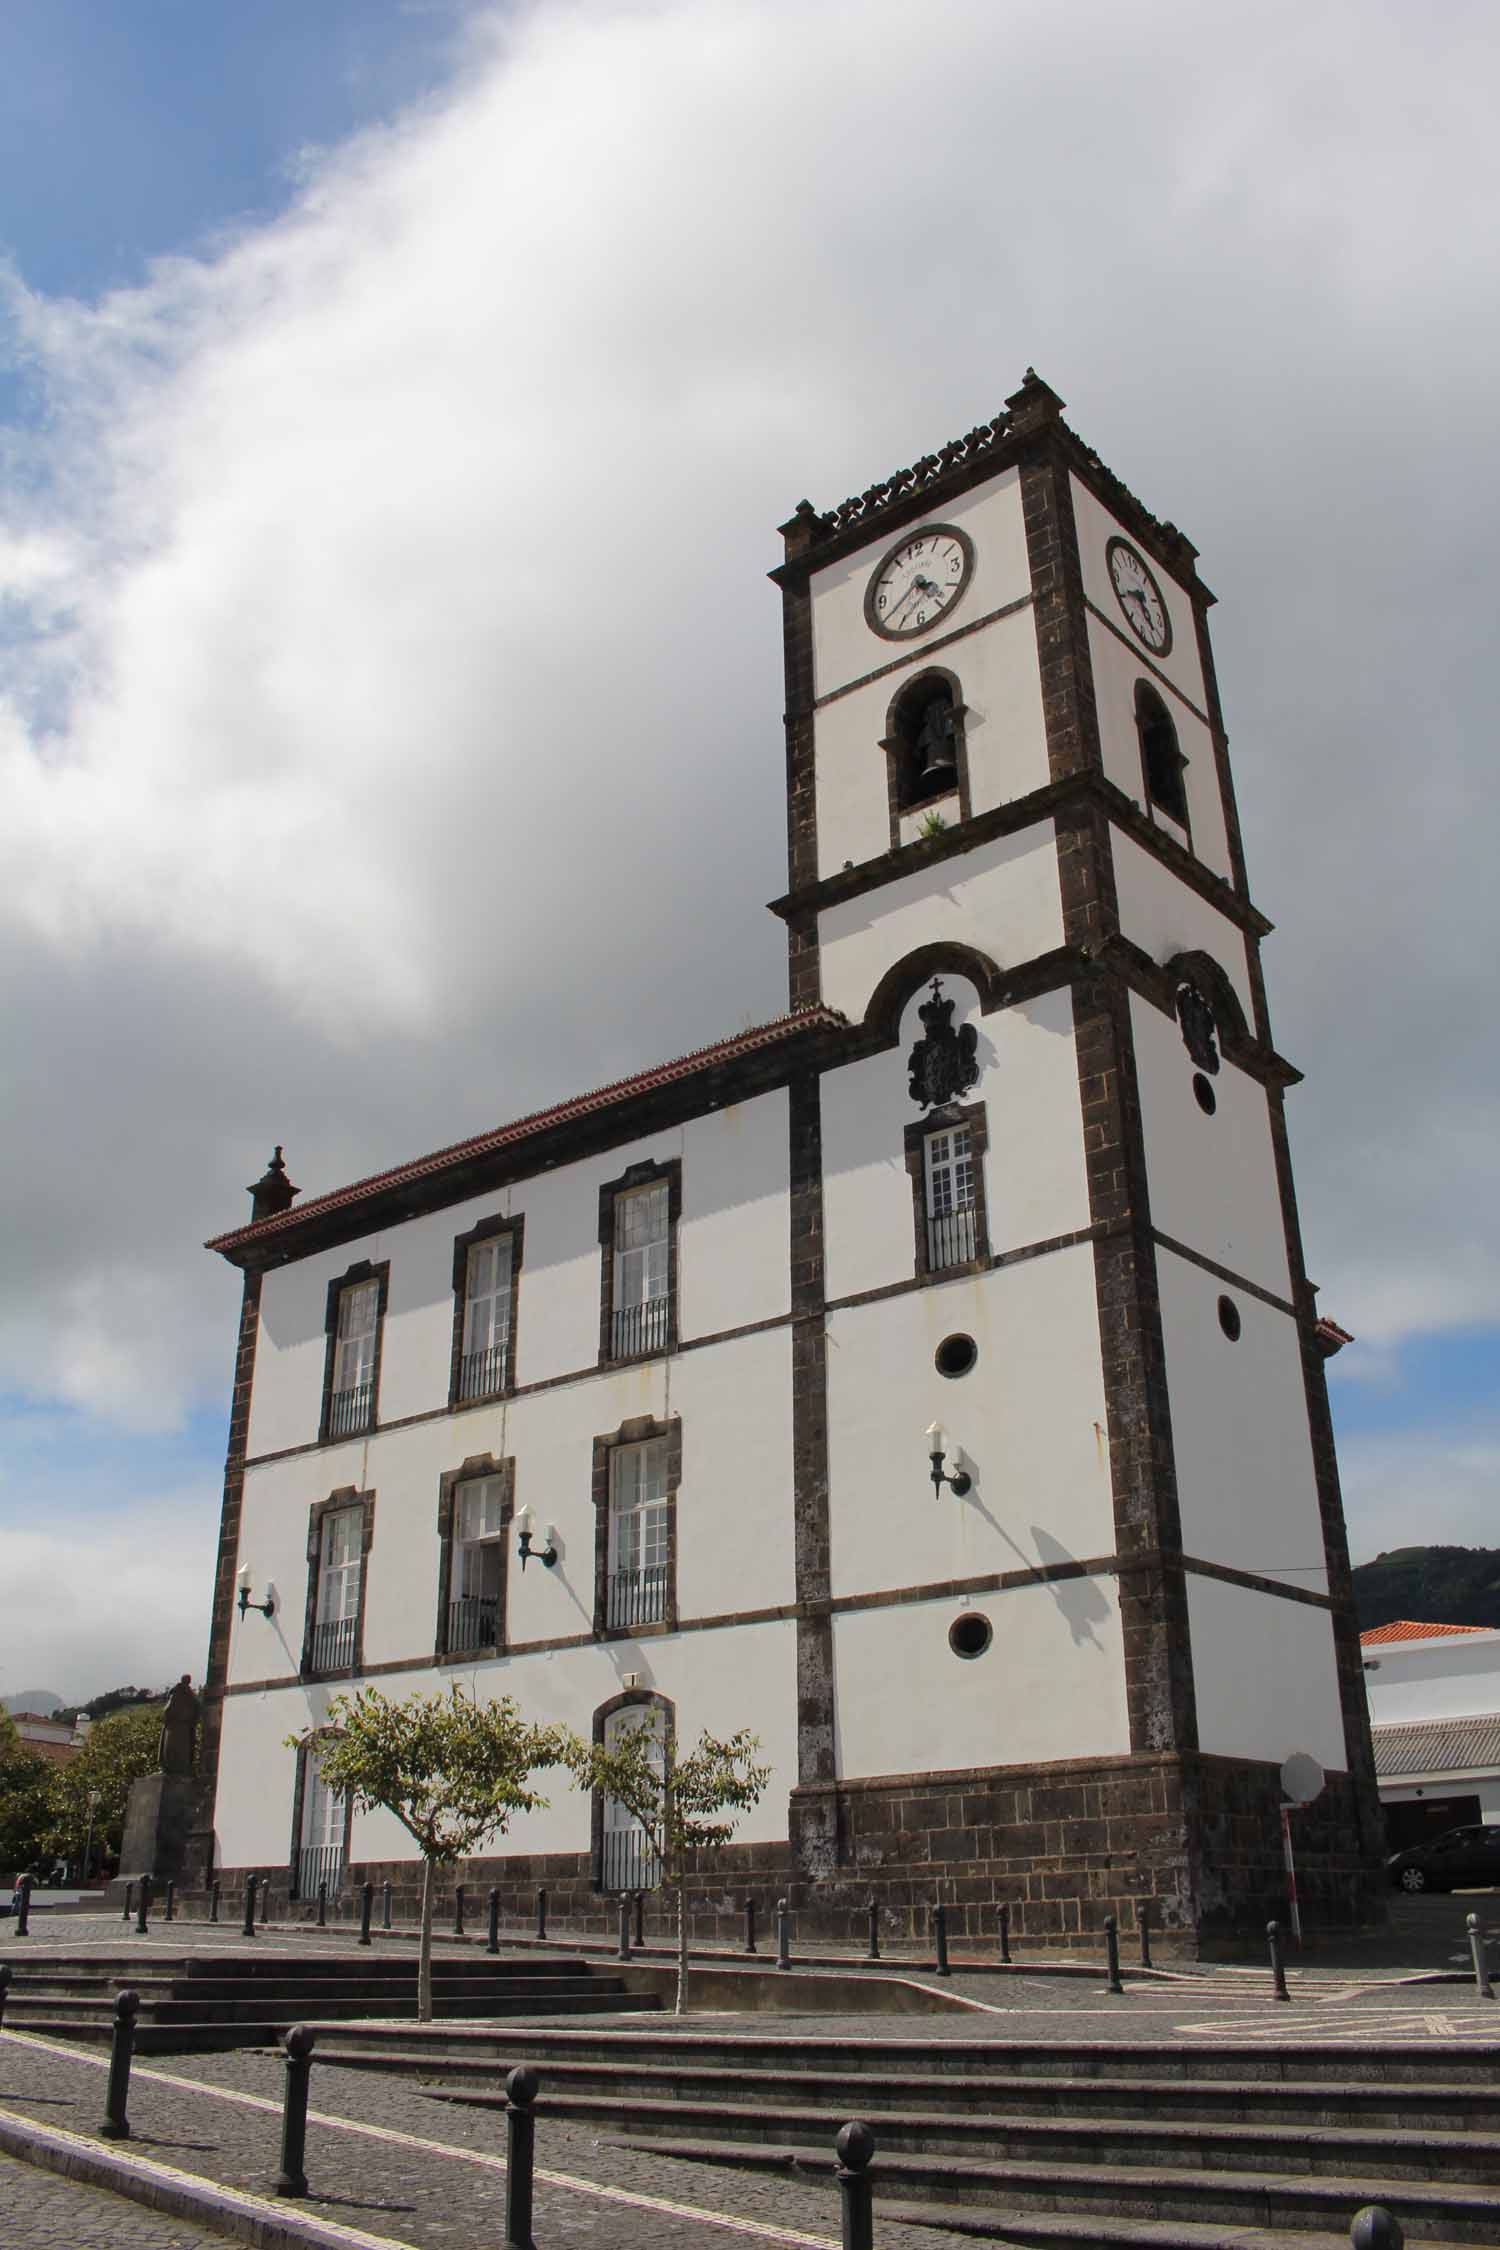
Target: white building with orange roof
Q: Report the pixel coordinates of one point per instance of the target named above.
(1434, 1695)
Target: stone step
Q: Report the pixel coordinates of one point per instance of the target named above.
(998, 2136)
(1428, 2210)
(1430, 2064)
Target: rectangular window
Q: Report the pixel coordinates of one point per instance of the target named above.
(484, 1359)
(642, 1271)
(638, 1558)
(353, 1396)
(628, 1862)
(478, 1561)
(951, 1203)
(340, 1563)
(320, 1847)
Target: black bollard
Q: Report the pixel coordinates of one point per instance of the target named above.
(143, 1907)
(116, 2126)
(129, 1907)
(541, 1911)
(492, 1939)
(854, 2148)
(520, 2154)
(1482, 1983)
(1278, 1973)
(783, 1934)
(213, 1902)
(1375, 2228)
(458, 1910)
(4, 1988)
(366, 1909)
(1143, 1924)
(171, 1906)
(247, 1927)
(23, 1907)
(292, 2178)
(385, 1911)
(872, 1950)
(640, 1920)
(1112, 1955)
(940, 1940)
(323, 1906)
(624, 1918)
(749, 1925)
(1005, 1933)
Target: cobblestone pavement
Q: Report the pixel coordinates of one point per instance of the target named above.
(412, 2175)
(39, 2211)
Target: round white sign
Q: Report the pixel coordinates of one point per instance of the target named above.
(1302, 1778)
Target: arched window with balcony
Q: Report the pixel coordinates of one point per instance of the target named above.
(623, 1855)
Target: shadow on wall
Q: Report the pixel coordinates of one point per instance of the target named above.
(1079, 1598)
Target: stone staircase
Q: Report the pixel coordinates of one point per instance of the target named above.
(199, 2000)
(1164, 2145)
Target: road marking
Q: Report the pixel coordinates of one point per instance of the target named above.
(1341, 2024)
(761, 2230)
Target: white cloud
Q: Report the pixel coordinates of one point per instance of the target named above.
(399, 741)
(1404, 1490)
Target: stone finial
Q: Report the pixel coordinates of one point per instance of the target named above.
(1034, 403)
(273, 1191)
(801, 529)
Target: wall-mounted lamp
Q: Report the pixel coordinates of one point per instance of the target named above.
(957, 1479)
(525, 1524)
(266, 1608)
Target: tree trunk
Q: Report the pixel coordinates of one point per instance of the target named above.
(424, 1948)
(682, 1947)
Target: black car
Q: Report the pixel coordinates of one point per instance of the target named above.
(1458, 1859)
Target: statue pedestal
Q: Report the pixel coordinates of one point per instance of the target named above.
(160, 1815)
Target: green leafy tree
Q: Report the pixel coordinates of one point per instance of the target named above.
(451, 1770)
(118, 1751)
(681, 1804)
(26, 1801)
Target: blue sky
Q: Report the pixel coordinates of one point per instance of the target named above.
(281, 401)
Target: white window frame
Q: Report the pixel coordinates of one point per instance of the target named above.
(642, 1284)
(341, 1567)
(627, 1861)
(324, 1826)
(950, 1196)
(478, 1556)
(484, 1365)
(355, 1340)
(639, 1555)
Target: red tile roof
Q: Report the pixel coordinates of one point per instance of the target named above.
(1405, 1630)
(501, 1136)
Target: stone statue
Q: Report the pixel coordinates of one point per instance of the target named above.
(179, 1727)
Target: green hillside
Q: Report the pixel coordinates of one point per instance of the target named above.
(1431, 1585)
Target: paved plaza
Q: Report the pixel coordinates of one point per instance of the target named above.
(389, 2165)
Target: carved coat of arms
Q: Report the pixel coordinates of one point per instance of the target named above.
(944, 1062)
(1199, 1031)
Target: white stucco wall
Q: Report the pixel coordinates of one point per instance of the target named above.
(1264, 1675)
(1455, 1676)
(1035, 1183)
(709, 1687)
(732, 1251)
(1165, 918)
(1002, 898)
(1212, 1180)
(1096, 527)
(1001, 690)
(1050, 1685)
(1029, 1420)
(1245, 1477)
(1116, 671)
(845, 649)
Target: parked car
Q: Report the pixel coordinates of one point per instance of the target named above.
(1460, 1858)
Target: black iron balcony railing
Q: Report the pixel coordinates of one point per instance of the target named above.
(640, 1328)
(629, 1863)
(637, 1597)
(333, 1644)
(349, 1411)
(319, 1863)
(473, 1622)
(482, 1373)
(952, 1238)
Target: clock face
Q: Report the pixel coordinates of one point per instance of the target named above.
(1140, 597)
(918, 582)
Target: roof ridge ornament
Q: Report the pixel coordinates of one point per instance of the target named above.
(273, 1191)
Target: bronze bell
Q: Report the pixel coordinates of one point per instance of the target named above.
(939, 771)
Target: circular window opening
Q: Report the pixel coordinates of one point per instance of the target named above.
(1203, 1093)
(955, 1355)
(1229, 1318)
(971, 1634)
